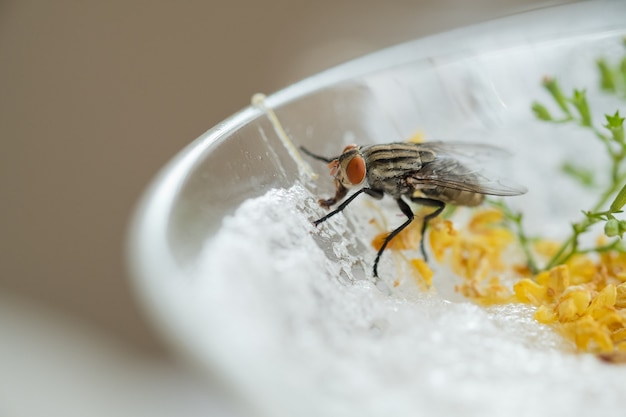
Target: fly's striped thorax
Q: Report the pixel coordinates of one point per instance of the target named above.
(393, 160)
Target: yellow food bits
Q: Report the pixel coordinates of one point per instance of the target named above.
(588, 335)
(529, 291)
(584, 313)
(546, 248)
(584, 299)
(545, 315)
(558, 281)
(475, 252)
(572, 305)
(408, 238)
(442, 237)
(423, 270)
(620, 296)
(484, 220)
(418, 137)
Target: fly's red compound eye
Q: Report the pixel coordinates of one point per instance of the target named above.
(350, 147)
(355, 170)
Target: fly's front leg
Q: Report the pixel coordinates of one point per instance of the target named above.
(429, 202)
(373, 193)
(340, 193)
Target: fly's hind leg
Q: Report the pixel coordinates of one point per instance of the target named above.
(410, 216)
(429, 202)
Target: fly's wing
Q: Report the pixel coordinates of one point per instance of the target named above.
(449, 170)
(466, 152)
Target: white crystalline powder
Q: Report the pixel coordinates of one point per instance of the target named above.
(292, 319)
(299, 341)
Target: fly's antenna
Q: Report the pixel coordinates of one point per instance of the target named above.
(318, 157)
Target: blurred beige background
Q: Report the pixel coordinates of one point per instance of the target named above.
(96, 96)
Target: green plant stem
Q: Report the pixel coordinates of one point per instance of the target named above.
(561, 255)
(570, 247)
(615, 245)
(524, 241)
(522, 237)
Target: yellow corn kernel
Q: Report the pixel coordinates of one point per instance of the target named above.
(528, 291)
(618, 356)
(558, 281)
(522, 270)
(418, 137)
(566, 310)
(442, 236)
(621, 275)
(499, 290)
(547, 248)
(588, 335)
(603, 341)
(409, 238)
(542, 278)
(609, 318)
(545, 315)
(615, 263)
(605, 298)
(468, 289)
(484, 220)
(495, 293)
(573, 304)
(497, 238)
(424, 270)
(619, 335)
(620, 296)
(582, 269)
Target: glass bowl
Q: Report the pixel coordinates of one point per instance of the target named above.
(288, 316)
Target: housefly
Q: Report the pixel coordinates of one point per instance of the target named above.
(431, 174)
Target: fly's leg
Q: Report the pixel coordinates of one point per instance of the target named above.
(408, 213)
(373, 193)
(340, 193)
(429, 202)
(340, 190)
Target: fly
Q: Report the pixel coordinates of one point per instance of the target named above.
(432, 174)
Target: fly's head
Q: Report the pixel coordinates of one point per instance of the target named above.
(349, 168)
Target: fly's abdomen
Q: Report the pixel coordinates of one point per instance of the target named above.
(452, 196)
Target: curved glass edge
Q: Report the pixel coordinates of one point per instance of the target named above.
(149, 258)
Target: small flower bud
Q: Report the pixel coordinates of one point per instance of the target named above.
(541, 112)
(611, 228)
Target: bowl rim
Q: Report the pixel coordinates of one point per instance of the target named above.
(151, 264)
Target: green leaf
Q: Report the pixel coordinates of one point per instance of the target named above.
(622, 70)
(582, 175)
(619, 201)
(615, 124)
(607, 81)
(614, 121)
(555, 91)
(579, 100)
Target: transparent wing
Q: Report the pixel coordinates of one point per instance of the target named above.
(446, 171)
(472, 152)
